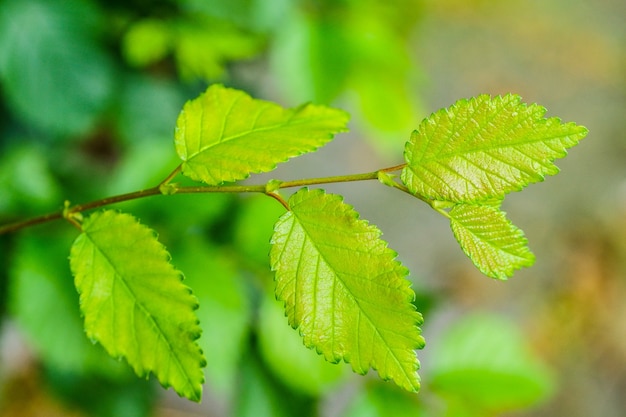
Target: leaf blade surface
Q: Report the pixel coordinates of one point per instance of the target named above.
(344, 290)
(484, 148)
(225, 135)
(134, 302)
(490, 240)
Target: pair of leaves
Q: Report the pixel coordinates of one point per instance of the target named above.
(469, 156)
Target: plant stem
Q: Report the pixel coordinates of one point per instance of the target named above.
(158, 190)
(170, 177)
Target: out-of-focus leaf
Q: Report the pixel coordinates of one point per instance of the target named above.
(52, 71)
(484, 362)
(255, 15)
(148, 110)
(225, 135)
(253, 228)
(313, 58)
(282, 349)
(26, 183)
(146, 42)
(224, 310)
(383, 400)
(44, 303)
(203, 48)
(134, 302)
(262, 396)
(344, 290)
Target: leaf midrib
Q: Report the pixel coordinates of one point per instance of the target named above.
(461, 152)
(361, 310)
(160, 332)
(222, 140)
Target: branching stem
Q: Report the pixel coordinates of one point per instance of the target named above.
(68, 211)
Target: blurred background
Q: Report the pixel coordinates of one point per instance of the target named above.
(89, 95)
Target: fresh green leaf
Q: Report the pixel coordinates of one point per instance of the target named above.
(225, 135)
(485, 364)
(485, 147)
(490, 240)
(134, 302)
(344, 290)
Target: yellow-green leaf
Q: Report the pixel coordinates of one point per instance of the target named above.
(134, 302)
(344, 289)
(492, 242)
(225, 135)
(484, 148)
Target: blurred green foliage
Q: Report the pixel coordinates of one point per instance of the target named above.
(90, 92)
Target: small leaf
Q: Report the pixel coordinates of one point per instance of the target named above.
(344, 290)
(485, 147)
(225, 135)
(134, 302)
(490, 240)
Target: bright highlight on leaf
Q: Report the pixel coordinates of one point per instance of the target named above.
(491, 241)
(484, 148)
(344, 290)
(225, 135)
(134, 302)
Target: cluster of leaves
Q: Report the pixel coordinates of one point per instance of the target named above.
(341, 285)
(72, 105)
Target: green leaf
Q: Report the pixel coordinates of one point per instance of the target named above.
(485, 147)
(485, 364)
(344, 290)
(134, 302)
(225, 135)
(53, 72)
(490, 240)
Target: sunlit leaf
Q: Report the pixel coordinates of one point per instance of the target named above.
(134, 302)
(343, 288)
(490, 240)
(225, 135)
(485, 147)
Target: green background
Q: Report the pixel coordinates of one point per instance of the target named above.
(89, 95)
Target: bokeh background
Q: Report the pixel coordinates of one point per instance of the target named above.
(89, 95)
